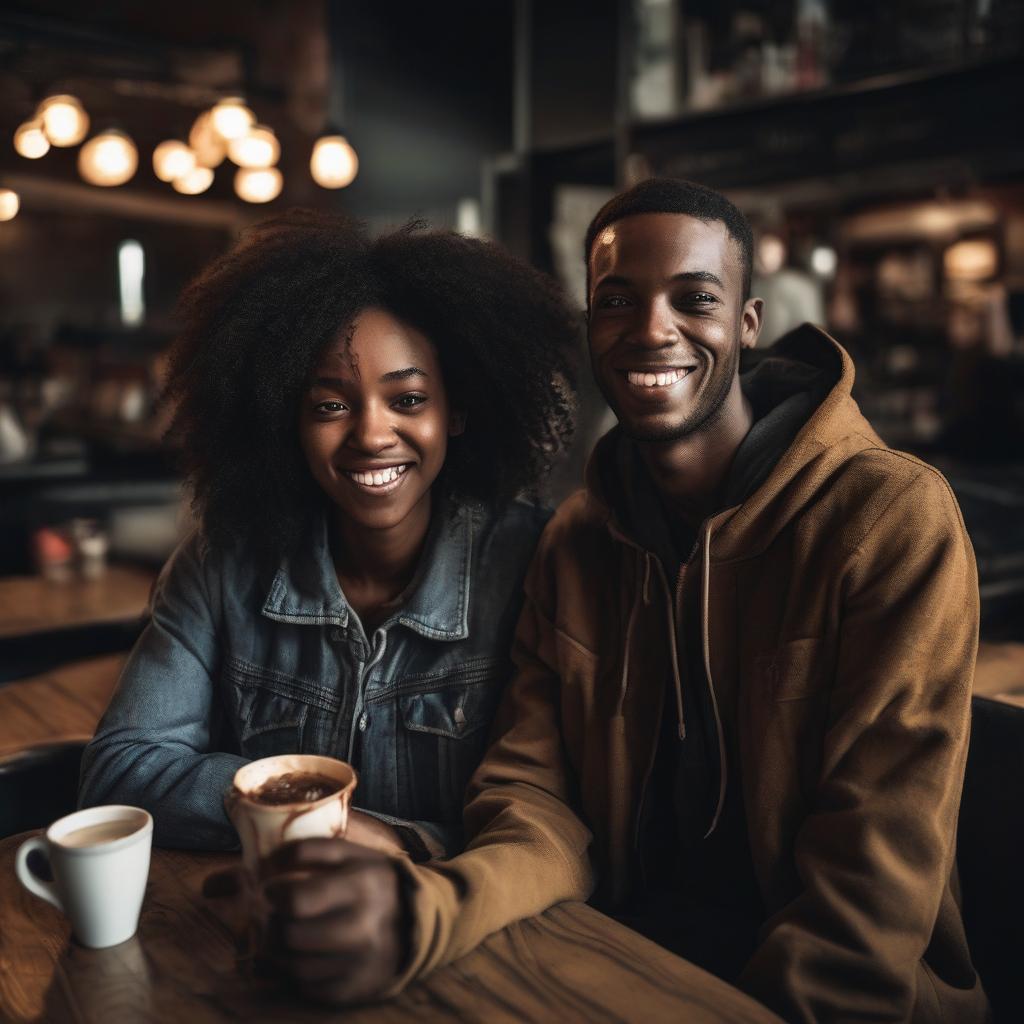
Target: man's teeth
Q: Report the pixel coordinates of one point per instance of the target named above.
(650, 380)
(379, 477)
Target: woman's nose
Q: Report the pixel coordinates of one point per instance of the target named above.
(372, 429)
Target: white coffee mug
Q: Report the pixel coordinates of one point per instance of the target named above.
(99, 859)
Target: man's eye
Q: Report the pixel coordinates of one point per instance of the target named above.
(410, 401)
(696, 299)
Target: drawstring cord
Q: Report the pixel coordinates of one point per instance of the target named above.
(637, 595)
(706, 643)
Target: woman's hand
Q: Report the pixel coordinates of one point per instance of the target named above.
(337, 926)
(366, 830)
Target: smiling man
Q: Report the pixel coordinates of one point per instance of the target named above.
(741, 711)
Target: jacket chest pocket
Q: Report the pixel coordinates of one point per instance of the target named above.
(444, 734)
(275, 713)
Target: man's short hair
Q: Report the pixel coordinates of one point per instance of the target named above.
(673, 195)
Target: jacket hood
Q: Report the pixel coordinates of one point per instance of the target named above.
(833, 433)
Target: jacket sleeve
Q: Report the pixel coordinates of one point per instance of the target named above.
(875, 853)
(154, 747)
(527, 849)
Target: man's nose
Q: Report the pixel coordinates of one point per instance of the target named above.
(655, 325)
(373, 429)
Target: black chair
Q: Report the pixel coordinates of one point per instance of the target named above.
(990, 853)
(38, 785)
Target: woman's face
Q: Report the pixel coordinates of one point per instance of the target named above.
(375, 422)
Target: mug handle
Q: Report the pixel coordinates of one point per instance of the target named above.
(28, 878)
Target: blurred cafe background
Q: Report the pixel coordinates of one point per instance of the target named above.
(876, 147)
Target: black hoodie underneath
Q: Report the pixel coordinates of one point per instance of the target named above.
(699, 896)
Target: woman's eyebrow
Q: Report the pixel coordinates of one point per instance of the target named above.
(409, 371)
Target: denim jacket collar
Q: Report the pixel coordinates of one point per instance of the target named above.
(306, 591)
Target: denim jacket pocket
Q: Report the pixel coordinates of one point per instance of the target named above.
(445, 734)
(277, 713)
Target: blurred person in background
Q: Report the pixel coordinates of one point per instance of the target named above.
(357, 421)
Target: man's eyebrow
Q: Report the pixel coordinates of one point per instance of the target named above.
(701, 276)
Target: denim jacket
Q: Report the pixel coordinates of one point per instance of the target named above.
(238, 662)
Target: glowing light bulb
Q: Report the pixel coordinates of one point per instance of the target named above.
(209, 148)
(108, 159)
(173, 159)
(257, 148)
(258, 185)
(9, 204)
(64, 120)
(199, 179)
(30, 140)
(231, 118)
(334, 163)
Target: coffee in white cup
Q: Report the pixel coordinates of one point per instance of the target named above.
(99, 859)
(291, 796)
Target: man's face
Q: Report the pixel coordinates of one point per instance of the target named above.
(667, 322)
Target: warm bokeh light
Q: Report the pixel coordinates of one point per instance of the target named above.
(972, 259)
(231, 118)
(30, 140)
(257, 148)
(64, 120)
(334, 163)
(173, 159)
(199, 179)
(9, 204)
(209, 148)
(771, 254)
(258, 185)
(108, 159)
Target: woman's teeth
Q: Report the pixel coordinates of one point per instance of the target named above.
(378, 477)
(650, 380)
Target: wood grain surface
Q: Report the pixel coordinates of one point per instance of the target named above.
(63, 704)
(569, 964)
(32, 604)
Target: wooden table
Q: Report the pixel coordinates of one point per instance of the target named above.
(32, 604)
(569, 964)
(63, 704)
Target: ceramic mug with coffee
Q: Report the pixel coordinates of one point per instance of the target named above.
(292, 796)
(99, 860)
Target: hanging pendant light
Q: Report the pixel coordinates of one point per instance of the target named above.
(257, 148)
(334, 163)
(30, 140)
(258, 185)
(108, 159)
(199, 179)
(209, 148)
(173, 159)
(231, 118)
(64, 119)
(10, 203)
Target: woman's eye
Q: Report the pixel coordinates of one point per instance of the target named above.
(613, 302)
(329, 408)
(410, 401)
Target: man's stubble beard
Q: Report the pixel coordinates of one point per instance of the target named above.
(709, 409)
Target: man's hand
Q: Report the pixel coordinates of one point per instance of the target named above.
(367, 830)
(337, 924)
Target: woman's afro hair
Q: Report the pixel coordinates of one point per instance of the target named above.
(256, 320)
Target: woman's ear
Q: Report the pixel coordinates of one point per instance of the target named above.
(456, 423)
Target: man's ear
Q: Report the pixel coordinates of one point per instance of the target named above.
(456, 423)
(752, 318)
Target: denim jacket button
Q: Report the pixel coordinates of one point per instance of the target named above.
(363, 722)
(460, 717)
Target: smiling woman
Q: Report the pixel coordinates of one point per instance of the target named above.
(358, 421)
